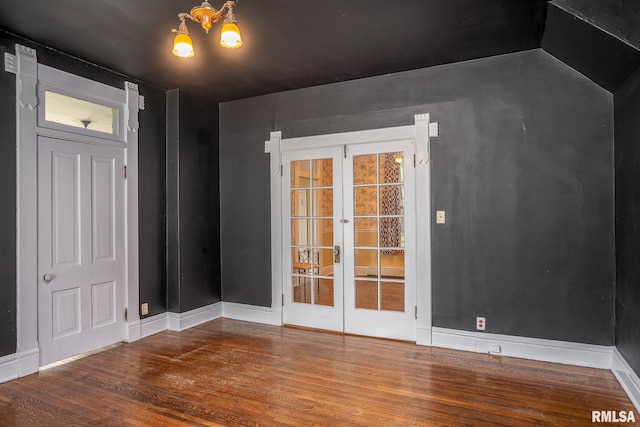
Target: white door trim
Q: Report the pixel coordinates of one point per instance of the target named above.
(424, 130)
(421, 132)
(28, 73)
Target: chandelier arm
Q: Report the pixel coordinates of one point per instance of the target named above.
(229, 6)
(183, 15)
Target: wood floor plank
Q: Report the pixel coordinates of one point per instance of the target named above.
(235, 373)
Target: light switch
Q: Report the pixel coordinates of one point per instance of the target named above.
(440, 218)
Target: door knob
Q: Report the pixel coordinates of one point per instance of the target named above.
(336, 254)
(48, 277)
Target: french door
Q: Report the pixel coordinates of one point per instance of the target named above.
(313, 236)
(349, 239)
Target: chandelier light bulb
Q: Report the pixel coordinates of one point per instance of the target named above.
(182, 46)
(230, 36)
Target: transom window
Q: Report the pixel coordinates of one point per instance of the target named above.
(78, 112)
(70, 111)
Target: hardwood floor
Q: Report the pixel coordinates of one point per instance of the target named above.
(228, 372)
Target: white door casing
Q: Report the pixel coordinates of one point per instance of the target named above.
(420, 132)
(81, 293)
(30, 76)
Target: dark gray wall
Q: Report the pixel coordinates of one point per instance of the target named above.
(627, 176)
(151, 182)
(152, 201)
(193, 210)
(173, 184)
(8, 205)
(523, 168)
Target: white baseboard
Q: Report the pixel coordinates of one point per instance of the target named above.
(18, 365)
(181, 321)
(627, 378)
(133, 331)
(593, 356)
(9, 367)
(423, 336)
(252, 313)
(28, 362)
(153, 325)
(189, 319)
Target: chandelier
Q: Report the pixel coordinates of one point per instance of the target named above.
(206, 16)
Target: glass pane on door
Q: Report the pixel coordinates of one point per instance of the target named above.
(78, 113)
(379, 218)
(312, 232)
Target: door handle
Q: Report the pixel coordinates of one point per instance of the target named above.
(336, 254)
(48, 277)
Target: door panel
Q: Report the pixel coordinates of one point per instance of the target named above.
(81, 288)
(66, 312)
(365, 207)
(65, 208)
(380, 282)
(313, 284)
(102, 209)
(103, 304)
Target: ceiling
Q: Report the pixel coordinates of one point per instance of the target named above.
(598, 38)
(619, 18)
(288, 44)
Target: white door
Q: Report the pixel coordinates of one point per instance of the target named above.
(313, 277)
(81, 288)
(380, 246)
(349, 227)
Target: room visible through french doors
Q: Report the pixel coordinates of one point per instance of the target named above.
(349, 239)
(81, 288)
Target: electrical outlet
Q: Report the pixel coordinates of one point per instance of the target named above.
(440, 217)
(144, 309)
(495, 348)
(480, 323)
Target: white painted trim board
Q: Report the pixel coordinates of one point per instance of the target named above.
(252, 313)
(593, 356)
(153, 325)
(627, 378)
(189, 319)
(182, 321)
(18, 365)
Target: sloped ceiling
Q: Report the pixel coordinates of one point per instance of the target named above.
(288, 43)
(598, 38)
(619, 18)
